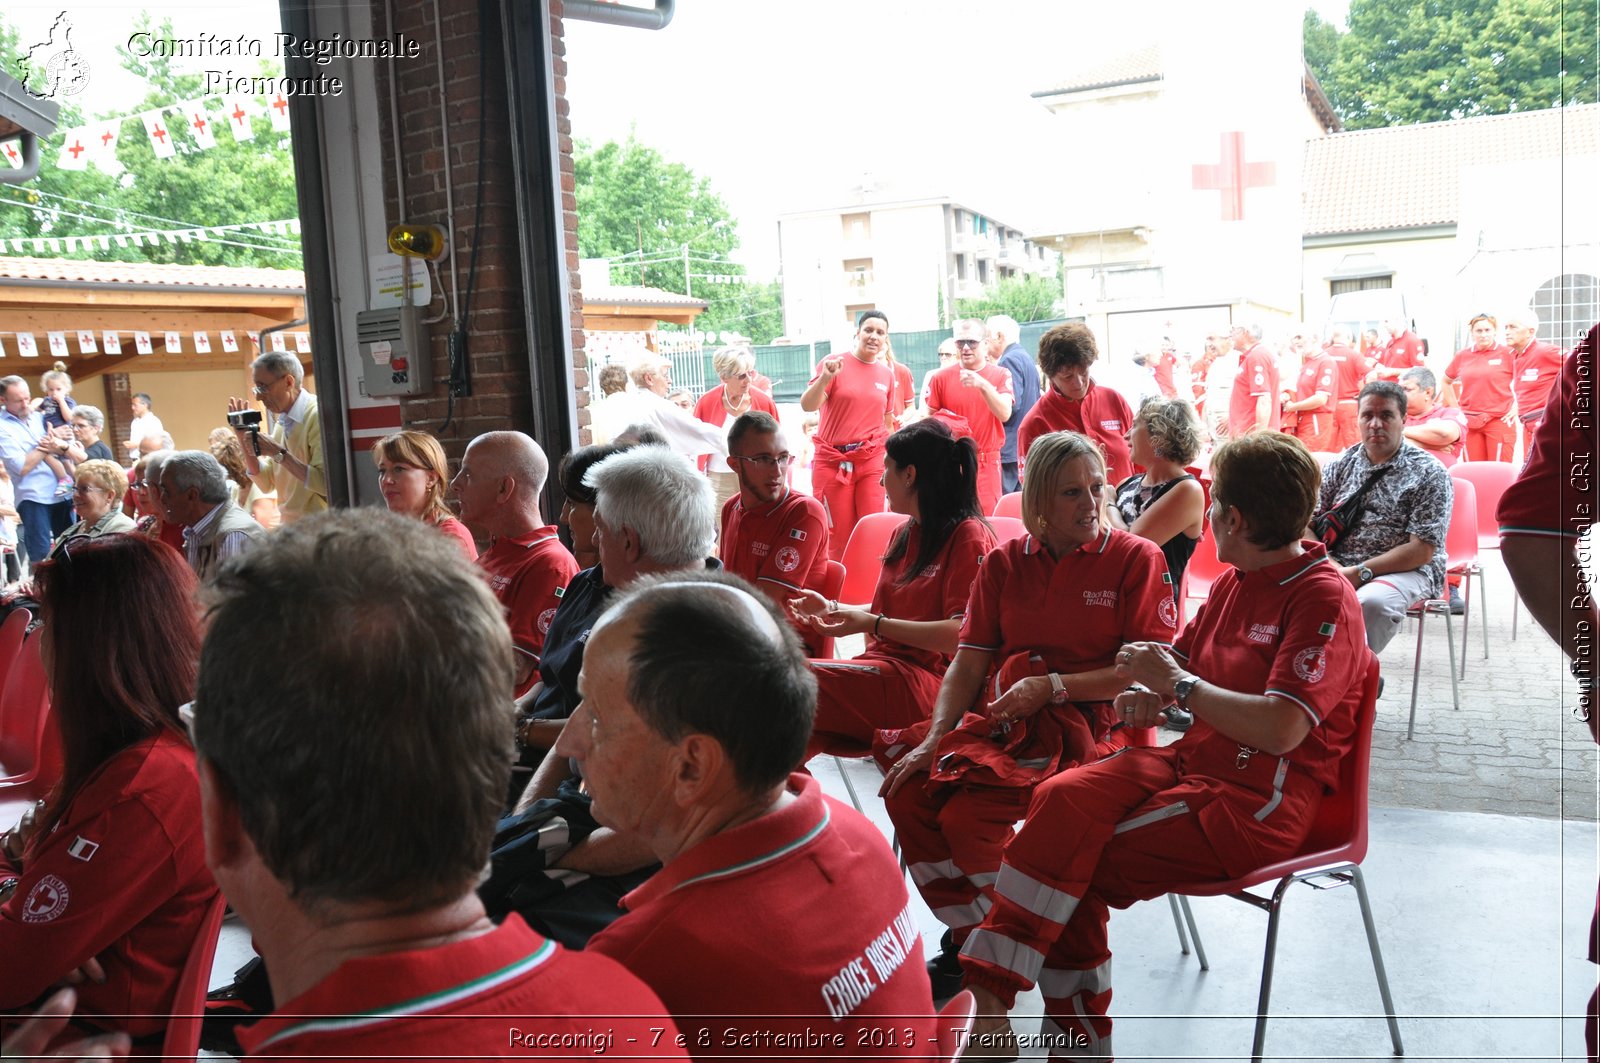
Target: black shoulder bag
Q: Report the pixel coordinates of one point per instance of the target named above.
(1332, 525)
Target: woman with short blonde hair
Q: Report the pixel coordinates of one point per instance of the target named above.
(736, 368)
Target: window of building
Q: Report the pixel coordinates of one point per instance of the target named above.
(856, 226)
(855, 310)
(961, 267)
(1567, 306)
(1360, 284)
(983, 271)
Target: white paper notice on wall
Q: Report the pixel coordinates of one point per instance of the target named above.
(202, 343)
(174, 343)
(111, 342)
(141, 342)
(380, 352)
(26, 346)
(230, 342)
(86, 344)
(386, 270)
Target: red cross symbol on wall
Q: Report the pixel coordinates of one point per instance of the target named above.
(1233, 175)
(76, 149)
(199, 123)
(238, 114)
(280, 103)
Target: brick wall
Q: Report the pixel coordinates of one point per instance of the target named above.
(569, 218)
(497, 340)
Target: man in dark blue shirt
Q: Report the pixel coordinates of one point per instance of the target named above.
(1006, 352)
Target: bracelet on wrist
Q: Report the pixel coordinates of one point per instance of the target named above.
(876, 624)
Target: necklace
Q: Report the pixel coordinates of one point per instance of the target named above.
(736, 408)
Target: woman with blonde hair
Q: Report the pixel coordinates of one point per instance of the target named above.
(412, 475)
(97, 499)
(262, 505)
(736, 368)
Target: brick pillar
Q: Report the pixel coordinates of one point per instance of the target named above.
(569, 218)
(119, 413)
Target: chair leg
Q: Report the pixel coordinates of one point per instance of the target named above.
(1516, 607)
(1377, 959)
(1416, 671)
(1450, 637)
(1177, 923)
(1466, 616)
(1274, 909)
(838, 762)
(1483, 616)
(1194, 933)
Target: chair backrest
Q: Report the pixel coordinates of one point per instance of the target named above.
(182, 1041)
(1007, 528)
(1009, 505)
(1341, 823)
(1461, 539)
(1490, 479)
(832, 584)
(955, 1025)
(12, 631)
(1203, 567)
(863, 555)
(24, 715)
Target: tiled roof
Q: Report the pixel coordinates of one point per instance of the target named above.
(631, 295)
(1128, 69)
(78, 271)
(1407, 177)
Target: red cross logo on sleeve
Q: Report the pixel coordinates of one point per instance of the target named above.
(238, 114)
(1232, 175)
(76, 149)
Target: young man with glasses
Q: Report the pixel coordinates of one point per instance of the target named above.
(974, 397)
(290, 460)
(772, 535)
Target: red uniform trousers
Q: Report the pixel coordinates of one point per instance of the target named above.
(952, 839)
(1318, 429)
(1495, 441)
(988, 481)
(1347, 431)
(1126, 828)
(861, 695)
(847, 495)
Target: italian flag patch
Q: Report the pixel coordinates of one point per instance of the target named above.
(1166, 577)
(1327, 630)
(560, 591)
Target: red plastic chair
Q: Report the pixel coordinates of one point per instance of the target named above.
(27, 747)
(1490, 479)
(1203, 567)
(832, 584)
(1332, 853)
(1461, 544)
(863, 556)
(1007, 529)
(955, 1025)
(12, 631)
(182, 1041)
(1009, 505)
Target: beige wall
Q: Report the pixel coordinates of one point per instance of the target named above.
(191, 404)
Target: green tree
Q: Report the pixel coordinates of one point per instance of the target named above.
(1406, 61)
(1026, 298)
(230, 184)
(750, 308)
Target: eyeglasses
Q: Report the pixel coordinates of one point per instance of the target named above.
(968, 343)
(768, 461)
(83, 489)
(262, 389)
(740, 376)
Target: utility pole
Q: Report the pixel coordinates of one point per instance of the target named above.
(686, 290)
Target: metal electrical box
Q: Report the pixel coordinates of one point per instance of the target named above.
(394, 351)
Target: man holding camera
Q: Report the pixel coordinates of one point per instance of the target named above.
(288, 458)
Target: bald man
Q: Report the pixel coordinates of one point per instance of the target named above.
(502, 475)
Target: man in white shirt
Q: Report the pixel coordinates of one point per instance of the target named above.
(144, 425)
(686, 434)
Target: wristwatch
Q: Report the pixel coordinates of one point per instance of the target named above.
(1364, 574)
(1058, 690)
(1182, 689)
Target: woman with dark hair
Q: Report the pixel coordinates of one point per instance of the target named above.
(1272, 668)
(108, 881)
(412, 474)
(1029, 691)
(920, 600)
(577, 512)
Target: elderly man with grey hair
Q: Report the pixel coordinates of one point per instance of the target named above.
(1003, 335)
(289, 459)
(1254, 403)
(1535, 366)
(194, 494)
(653, 514)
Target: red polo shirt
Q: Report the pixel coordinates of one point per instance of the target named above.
(1258, 375)
(1352, 372)
(1103, 415)
(945, 392)
(1535, 369)
(528, 574)
(1449, 454)
(1402, 352)
(1162, 365)
(1557, 491)
(855, 401)
(1483, 379)
(782, 544)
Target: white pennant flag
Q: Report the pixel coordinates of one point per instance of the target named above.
(302, 342)
(12, 153)
(25, 345)
(111, 342)
(141, 342)
(278, 111)
(103, 144)
(255, 340)
(2, 348)
(199, 120)
(241, 118)
(160, 136)
(202, 343)
(277, 342)
(74, 150)
(86, 344)
(58, 344)
(174, 343)
(230, 343)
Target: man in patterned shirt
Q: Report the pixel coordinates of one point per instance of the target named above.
(1393, 550)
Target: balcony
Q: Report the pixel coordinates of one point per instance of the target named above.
(858, 286)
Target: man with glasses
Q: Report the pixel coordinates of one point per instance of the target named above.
(974, 397)
(772, 535)
(23, 446)
(290, 460)
(194, 494)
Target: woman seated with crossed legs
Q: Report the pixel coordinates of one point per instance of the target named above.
(920, 600)
(1046, 616)
(1272, 669)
